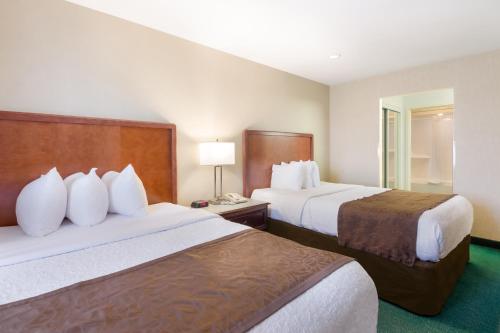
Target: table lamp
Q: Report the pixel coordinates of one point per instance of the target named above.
(217, 154)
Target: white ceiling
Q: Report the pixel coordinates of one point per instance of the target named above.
(298, 36)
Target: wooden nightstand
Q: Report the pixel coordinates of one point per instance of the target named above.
(252, 213)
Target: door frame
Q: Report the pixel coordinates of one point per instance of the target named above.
(397, 146)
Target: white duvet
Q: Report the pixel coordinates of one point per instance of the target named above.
(440, 229)
(345, 301)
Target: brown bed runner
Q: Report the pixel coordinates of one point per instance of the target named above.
(226, 285)
(386, 224)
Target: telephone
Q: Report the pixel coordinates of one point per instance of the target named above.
(234, 198)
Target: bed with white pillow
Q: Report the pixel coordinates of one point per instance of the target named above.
(440, 229)
(307, 212)
(102, 222)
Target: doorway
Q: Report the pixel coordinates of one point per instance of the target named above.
(432, 149)
(417, 141)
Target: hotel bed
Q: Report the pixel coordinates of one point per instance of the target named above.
(309, 216)
(101, 277)
(344, 301)
(440, 229)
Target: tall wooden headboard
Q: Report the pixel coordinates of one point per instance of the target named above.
(31, 144)
(262, 149)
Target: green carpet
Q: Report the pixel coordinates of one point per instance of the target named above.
(474, 305)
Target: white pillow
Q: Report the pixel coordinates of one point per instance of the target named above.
(315, 174)
(41, 205)
(287, 176)
(127, 195)
(71, 178)
(307, 169)
(87, 198)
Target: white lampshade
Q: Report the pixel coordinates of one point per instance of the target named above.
(216, 153)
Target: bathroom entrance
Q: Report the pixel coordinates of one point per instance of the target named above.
(417, 141)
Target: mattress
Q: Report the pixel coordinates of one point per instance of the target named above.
(344, 301)
(440, 229)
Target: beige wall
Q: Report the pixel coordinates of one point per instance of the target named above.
(354, 129)
(57, 57)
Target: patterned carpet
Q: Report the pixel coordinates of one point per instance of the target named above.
(474, 305)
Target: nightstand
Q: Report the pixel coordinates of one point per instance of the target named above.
(252, 213)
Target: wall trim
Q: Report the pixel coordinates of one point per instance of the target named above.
(485, 242)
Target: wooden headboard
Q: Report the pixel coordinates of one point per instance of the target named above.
(31, 144)
(262, 149)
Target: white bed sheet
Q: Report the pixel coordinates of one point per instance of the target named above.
(440, 229)
(345, 301)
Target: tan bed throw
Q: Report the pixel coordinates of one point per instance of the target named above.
(226, 285)
(386, 224)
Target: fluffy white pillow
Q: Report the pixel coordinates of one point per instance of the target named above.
(87, 198)
(287, 176)
(41, 205)
(127, 195)
(311, 171)
(315, 174)
(307, 169)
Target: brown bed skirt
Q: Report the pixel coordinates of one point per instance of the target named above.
(422, 288)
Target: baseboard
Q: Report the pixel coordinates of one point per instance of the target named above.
(485, 242)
